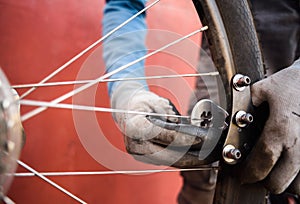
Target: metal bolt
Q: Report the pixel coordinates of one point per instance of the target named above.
(240, 82)
(231, 154)
(242, 119)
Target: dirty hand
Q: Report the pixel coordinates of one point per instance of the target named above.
(145, 141)
(275, 158)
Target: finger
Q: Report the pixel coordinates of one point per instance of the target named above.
(288, 166)
(162, 105)
(173, 138)
(172, 158)
(152, 153)
(295, 186)
(263, 157)
(147, 100)
(176, 112)
(156, 103)
(138, 127)
(166, 107)
(258, 94)
(277, 181)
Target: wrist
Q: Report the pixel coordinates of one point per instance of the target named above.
(124, 91)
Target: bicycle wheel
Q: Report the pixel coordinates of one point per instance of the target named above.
(229, 65)
(235, 49)
(39, 138)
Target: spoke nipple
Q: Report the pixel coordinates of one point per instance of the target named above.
(242, 119)
(240, 82)
(204, 28)
(231, 154)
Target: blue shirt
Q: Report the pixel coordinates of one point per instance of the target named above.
(126, 44)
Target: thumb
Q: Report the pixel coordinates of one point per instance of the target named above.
(258, 93)
(167, 137)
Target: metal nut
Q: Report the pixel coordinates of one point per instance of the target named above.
(231, 154)
(242, 119)
(240, 82)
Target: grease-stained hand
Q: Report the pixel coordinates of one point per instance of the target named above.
(275, 159)
(145, 141)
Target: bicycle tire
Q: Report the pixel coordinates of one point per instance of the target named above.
(219, 56)
(234, 47)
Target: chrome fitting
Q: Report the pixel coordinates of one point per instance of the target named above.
(242, 119)
(231, 154)
(240, 82)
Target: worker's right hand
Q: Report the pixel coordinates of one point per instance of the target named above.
(275, 159)
(144, 140)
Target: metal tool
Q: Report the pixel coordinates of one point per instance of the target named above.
(222, 137)
(208, 121)
(240, 137)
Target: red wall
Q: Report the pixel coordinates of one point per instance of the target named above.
(38, 36)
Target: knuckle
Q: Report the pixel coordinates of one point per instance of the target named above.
(138, 147)
(257, 176)
(134, 148)
(275, 190)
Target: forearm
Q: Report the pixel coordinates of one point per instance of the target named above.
(128, 43)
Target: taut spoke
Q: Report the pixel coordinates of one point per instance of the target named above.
(91, 108)
(107, 75)
(50, 182)
(62, 83)
(95, 173)
(76, 57)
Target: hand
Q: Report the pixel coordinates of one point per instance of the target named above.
(145, 141)
(275, 158)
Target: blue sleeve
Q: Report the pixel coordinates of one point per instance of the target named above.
(128, 43)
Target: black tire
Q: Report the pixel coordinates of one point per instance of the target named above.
(232, 39)
(235, 49)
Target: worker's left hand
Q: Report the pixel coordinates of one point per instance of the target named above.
(145, 141)
(275, 159)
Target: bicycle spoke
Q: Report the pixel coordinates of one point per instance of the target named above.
(96, 173)
(50, 182)
(7, 200)
(86, 86)
(76, 57)
(62, 83)
(91, 108)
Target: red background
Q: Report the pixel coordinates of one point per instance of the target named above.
(38, 36)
